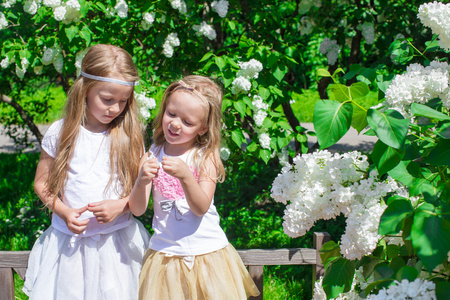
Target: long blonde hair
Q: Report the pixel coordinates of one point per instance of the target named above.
(126, 136)
(207, 146)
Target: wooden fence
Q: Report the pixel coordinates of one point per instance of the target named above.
(255, 259)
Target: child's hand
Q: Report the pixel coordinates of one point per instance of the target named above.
(149, 170)
(74, 224)
(107, 210)
(175, 167)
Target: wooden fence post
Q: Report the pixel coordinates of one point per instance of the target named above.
(319, 239)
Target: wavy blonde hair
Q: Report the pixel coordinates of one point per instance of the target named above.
(207, 146)
(125, 131)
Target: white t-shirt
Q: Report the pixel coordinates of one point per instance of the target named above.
(88, 176)
(177, 230)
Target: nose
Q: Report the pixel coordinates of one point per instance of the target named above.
(175, 123)
(114, 108)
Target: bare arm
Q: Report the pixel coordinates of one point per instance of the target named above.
(199, 195)
(140, 194)
(69, 215)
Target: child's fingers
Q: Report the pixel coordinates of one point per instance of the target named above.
(81, 210)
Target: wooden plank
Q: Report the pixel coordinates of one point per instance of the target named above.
(21, 272)
(14, 259)
(6, 284)
(257, 273)
(287, 256)
(319, 239)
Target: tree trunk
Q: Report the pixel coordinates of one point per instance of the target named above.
(27, 119)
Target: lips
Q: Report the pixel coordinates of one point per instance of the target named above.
(172, 133)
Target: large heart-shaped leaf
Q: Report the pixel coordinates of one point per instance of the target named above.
(390, 126)
(331, 121)
(386, 158)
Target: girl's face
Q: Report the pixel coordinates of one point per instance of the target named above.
(105, 101)
(183, 121)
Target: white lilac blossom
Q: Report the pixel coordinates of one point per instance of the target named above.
(30, 6)
(436, 16)
(305, 26)
(419, 84)
(240, 85)
(146, 104)
(264, 140)
(148, 20)
(3, 21)
(20, 72)
(250, 69)
(24, 63)
(260, 110)
(53, 55)
(224, 153)
(322, 185)
(59, 13)
(170, 42)
(419, 289)
(180, 5)
(58, 62)
(51, 3)
(283, 157)
(73, 13)
(121, 9)
(368, 32)
(5, 63)
(220, 7)
(206, 30)
(78, 59)
(8, 3)
(331, 49)
(361, 233)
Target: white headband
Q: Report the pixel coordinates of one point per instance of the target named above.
(107, 79)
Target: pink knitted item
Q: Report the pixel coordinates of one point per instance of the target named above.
(169, 186)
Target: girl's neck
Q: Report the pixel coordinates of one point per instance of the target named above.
(175, 150)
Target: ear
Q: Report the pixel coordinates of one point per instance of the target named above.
(203, 131)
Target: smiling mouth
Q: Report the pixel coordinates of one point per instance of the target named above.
(172, 133)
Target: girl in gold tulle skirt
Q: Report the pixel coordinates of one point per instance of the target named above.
(189, 256)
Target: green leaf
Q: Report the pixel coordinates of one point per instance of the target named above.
(264, 154)
(331, 121)
(329, 252)
(386, 158)
(338, 277)
(430, 234)
(280, 71)
(322, 73)
(407, 272)
(206, 56)
(443, 130)
(340, 92)
(392, 219)
(86, 34)
(390, 127)
(71, 32)
(405, 172)
(240, 107)
(238, 137)
(443, 290)
(220, 62)
(359, 90)
(425, 111)
(440, 155)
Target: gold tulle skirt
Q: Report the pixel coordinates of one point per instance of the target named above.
(217, 275)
